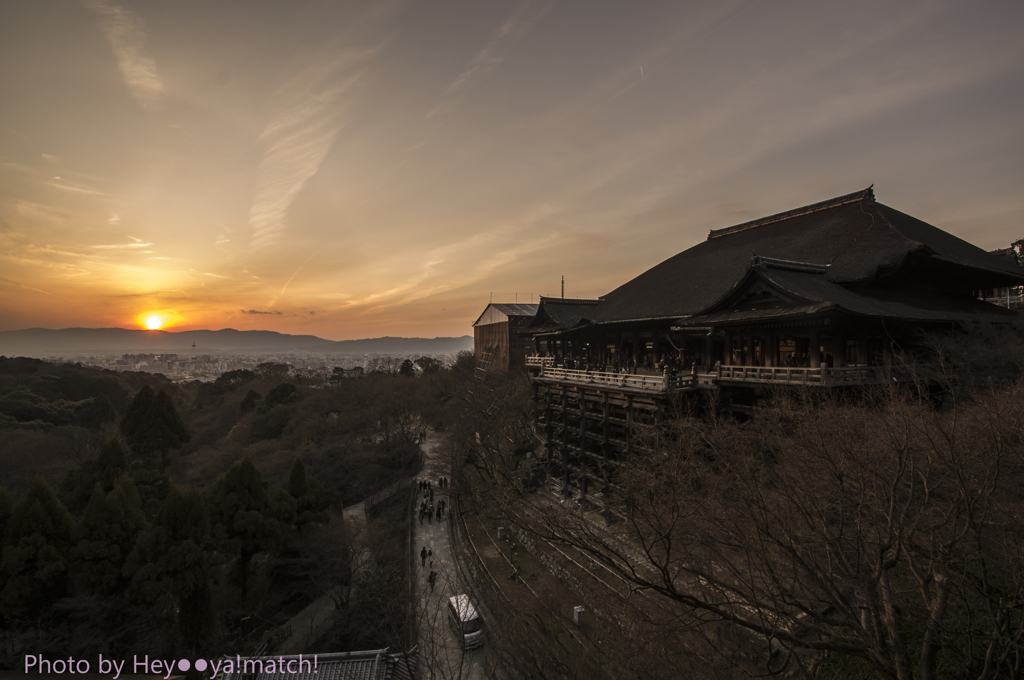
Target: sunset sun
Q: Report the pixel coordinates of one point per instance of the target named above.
(154, 322)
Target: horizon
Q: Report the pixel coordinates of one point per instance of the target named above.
(386, 169)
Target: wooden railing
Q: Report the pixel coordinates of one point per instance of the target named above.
(649, 383)
(543, 362)
(846, 375)
(782, 375)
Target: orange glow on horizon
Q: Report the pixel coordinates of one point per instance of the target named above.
(158, 320)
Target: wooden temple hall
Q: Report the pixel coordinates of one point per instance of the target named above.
(824, 295)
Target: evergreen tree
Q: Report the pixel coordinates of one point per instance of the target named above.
(173, 558)
(407, 369)
(282, 394)
(35, 561)
(428, 365)
(110, 464)
(105, 537)
(242, 507)
(311, 500)
(249, 403)
(152, 423)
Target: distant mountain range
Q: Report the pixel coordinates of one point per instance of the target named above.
(44, 341)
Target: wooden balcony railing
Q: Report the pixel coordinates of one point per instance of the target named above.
(846, 375)
(648, 383)
(777, 375)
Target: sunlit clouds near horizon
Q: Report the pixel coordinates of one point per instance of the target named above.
(363, 169)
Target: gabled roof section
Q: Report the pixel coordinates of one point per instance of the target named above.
(804, 292)
(555, 314)
(502, 311)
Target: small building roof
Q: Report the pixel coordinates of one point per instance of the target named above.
(497, 312)
(375, 664)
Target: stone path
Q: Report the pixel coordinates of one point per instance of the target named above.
(440, 648)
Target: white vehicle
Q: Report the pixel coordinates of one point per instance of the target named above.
(463, 618)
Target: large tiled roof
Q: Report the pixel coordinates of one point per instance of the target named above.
(858, 238)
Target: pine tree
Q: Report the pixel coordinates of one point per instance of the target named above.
(35, 561)
(78, 486)
(152, 423)
(311, 500)
(105, 537)
(174, 557)
(242, 506)
(407, 369)
(249, 403)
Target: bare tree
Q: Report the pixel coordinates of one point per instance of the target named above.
(887, 530)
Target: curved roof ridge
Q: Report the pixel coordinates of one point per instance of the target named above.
(791, 265)
(570, 301)
(865, 194)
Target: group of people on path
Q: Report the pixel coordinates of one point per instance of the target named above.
(428, 510)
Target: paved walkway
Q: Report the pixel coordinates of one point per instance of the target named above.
(440, 648)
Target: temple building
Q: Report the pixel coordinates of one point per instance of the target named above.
(498, 341)
(826, 295)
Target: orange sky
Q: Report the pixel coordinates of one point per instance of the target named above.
(382, 168)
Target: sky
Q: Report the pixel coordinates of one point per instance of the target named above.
(362, 169)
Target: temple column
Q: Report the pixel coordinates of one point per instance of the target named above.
(814, 350)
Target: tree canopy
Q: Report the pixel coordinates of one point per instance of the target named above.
(35, 558)
(243, 512)
(152, 423)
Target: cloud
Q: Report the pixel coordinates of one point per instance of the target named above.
(127, 35)
(523, 18)
(256, 311)
(35, 290)
(123, 246)
(299, 135)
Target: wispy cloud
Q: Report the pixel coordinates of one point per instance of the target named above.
(123, 246)
(34, 290)
(525, 16)
(299, 135)
(127, 35)
(257, 311)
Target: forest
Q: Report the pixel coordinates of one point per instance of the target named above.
(190, 519)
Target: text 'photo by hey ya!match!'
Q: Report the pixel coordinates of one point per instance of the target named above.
(38, 664)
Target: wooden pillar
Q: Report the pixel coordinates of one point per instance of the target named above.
(839, 350)
(728, 348)
(565, 440)
(629, 424)
(548, 431)
(815, 350)
(605, 426)
(708, 345)
(583, 444)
